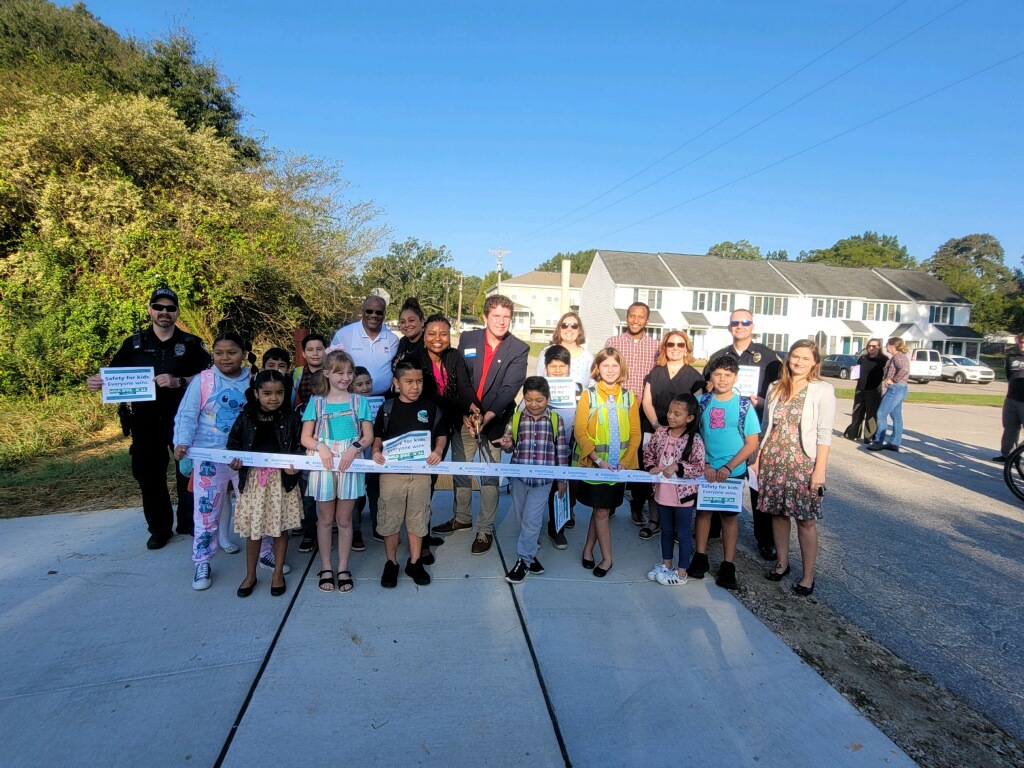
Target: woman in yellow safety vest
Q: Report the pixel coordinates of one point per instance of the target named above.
(607, 430)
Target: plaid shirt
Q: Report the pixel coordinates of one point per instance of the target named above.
(639, 356)
(535, 445)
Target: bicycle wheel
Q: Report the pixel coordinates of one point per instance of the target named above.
(1013, 472)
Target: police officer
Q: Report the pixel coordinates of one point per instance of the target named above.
(175, 357)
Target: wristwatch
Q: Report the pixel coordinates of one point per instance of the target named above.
(181, 382)
(357, 445)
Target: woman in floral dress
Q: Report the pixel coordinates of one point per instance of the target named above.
(794, 452)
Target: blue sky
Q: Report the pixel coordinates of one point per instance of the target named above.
(481, 125)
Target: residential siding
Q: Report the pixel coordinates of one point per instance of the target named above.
(597, 304)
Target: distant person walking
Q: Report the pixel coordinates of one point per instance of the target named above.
(894, 392)
(639, 353)
(176, 357)
(868, 395)
(1013, 405)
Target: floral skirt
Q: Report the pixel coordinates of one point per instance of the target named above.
(265, 508)
(784, 479)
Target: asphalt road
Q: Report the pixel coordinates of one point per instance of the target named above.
(923, 549)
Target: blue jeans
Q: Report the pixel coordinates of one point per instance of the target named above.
(530, 503)
(892, 406)
(675, 524)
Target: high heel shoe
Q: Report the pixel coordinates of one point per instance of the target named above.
(246, 591)
(278, 591)
(774, 575)
(602, 572)
(588, 564)
(803, 591)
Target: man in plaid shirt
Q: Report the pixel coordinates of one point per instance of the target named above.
(536, 437)
(640, 352)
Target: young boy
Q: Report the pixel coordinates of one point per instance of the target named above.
(406, 498)
(304, 380)
(728, 444)
(557, 362)
(362, 384)
(535, 435)
(277, 359)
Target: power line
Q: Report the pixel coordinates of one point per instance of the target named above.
(805, 150)
(712, 127)
(772, 116)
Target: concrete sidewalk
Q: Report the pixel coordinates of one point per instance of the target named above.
(111, 659)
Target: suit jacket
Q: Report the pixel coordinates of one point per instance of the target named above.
(504, 378)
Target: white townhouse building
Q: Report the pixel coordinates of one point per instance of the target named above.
(839, 307)
(540, 299)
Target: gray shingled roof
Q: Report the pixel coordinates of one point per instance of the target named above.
(726, 274)
(902, 329)
(696, 320)
(641, 269)
(920, 286)
(856, 326)
(654, 318)
(546, 279)
(843, 282)
(957, 331)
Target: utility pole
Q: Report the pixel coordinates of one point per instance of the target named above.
(458, 317)
(499, 253)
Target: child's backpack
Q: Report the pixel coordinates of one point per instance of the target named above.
(705, 400)
(320, 406)
(555, 419)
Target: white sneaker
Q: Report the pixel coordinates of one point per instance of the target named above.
(229, 547)
(652, 575)
(669, 578)
(268, 562)
(202, 579)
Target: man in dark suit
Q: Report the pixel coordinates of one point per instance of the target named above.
(497, 362)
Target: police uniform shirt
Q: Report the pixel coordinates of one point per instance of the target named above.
(181, 356)
(757, 355)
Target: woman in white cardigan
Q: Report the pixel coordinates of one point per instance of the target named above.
(795, 444)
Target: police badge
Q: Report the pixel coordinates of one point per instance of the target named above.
(179, 349)
(756, 357)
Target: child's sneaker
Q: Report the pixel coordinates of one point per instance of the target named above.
(229, 547)
(268, 562)
(202, 579)
(652, 575)
(668, 577)
(699, 565)
(357, 541)
(307, 543)
(389, 579)
(727, 576)
(518, 573)
(536, 568)
(417, 572)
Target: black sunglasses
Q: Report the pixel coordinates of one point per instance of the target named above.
(674, 344)
(164, 307)
(379, 312)
(744, 323)
(570, 325)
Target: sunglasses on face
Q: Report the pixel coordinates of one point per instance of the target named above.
(574, 326)
(744, 323)
(675, 345)
(164, 308)
(377, 312)
(874, 346)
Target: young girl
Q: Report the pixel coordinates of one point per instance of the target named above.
(212, 401)
(268, 501)
(676, 451)
(336, 426)
(607, 429)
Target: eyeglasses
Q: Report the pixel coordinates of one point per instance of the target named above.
(574, 326)
(874, 346)
(164, 308)
(744, 323)
(378, 312)
(675, 344)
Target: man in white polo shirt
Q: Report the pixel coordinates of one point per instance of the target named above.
(370, 343)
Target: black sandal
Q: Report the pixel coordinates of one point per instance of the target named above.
(325, 580)
(345, 582)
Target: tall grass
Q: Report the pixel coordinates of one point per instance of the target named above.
(31, 427)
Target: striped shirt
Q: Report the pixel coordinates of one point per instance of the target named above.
(535, 445)
(639, 356)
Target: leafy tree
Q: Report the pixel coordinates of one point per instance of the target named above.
(741, 249)
(867, 250)
(581, 261)
(413, 269)
(489, 281)
(782, 255)
(973, 267)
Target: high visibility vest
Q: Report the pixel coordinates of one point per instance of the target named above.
(602, 436)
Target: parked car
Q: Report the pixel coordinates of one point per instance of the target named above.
(838, 365)
(925, 365)
(963, 369)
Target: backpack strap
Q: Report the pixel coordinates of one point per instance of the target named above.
(205, 387)
(554, 425)
(744, 407)
(386, 407)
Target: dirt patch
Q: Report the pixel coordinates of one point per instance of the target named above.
(928, 722)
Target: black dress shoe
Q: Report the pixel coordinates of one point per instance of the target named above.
(602, 572)
(588, 564)
(776, 576)
(157, 542)
(768, 553)
(803, 591)
(246, 591)
(278, 591)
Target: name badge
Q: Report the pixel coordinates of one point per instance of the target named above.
(469, 352)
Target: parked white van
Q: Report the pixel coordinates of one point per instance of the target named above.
(925, 365)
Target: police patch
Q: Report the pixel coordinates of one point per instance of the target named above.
(179, 349)
(757, 357)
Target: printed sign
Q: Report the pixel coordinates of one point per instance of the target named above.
(855, 372)
(721, 497)
(561, 509)
(748, 380)
(128, 385)
(563, 392)
(412, 446)
(375, 402)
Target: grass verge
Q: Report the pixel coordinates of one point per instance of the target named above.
(939, 398)
(31, 427)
